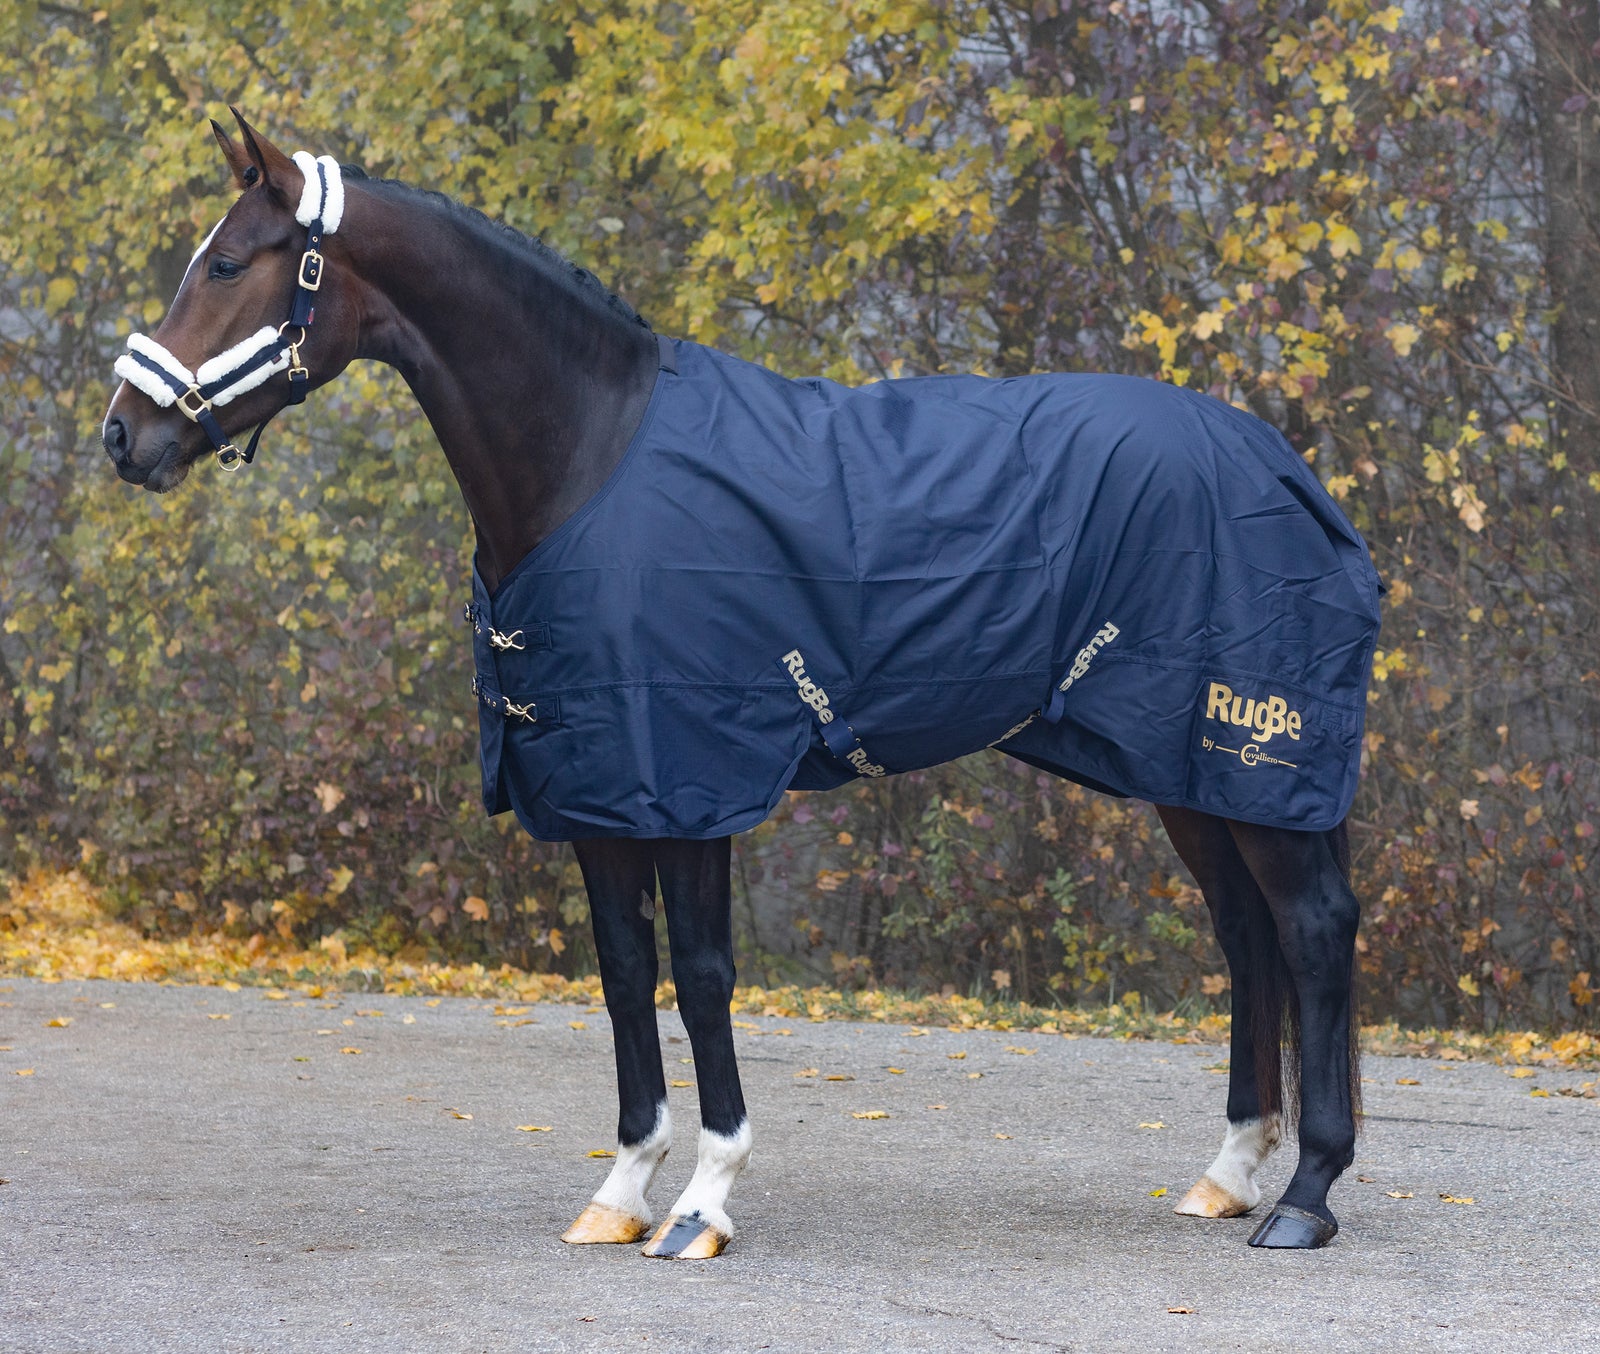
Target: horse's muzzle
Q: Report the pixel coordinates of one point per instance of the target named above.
(119, 447)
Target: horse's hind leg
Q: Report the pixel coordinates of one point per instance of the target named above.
(695, 887)
(1228, 1188)
(621, 879)
(1303, 880)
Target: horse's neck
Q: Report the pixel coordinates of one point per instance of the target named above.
(532, 390)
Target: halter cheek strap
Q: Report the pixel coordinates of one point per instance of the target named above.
(151, 368)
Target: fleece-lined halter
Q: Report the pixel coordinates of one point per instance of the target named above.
(149, 367)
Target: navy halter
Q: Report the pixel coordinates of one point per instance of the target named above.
(151, 368)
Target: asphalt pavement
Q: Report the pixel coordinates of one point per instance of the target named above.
(188, 1168)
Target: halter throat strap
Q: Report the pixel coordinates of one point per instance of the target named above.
(151, 368)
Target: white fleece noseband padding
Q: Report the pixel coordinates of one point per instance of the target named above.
(140, 377)
(236, 358)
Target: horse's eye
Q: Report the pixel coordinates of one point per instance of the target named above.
(225, 269)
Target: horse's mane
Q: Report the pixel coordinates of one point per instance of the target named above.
(560, 270)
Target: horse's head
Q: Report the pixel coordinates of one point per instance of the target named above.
(238, 334)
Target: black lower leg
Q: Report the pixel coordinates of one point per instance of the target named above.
(621, 879)
(696, 889)
(1316, 914)
(1207, 848)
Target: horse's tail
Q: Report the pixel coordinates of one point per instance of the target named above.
(1339, 841)
(1275, 1008)
(1274, 1015)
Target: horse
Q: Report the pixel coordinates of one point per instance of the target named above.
(539, 383)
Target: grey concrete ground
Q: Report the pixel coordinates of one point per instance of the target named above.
(192, 1169)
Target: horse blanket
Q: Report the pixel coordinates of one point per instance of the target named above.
(790, 584)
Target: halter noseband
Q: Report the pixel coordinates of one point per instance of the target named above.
(149, 367)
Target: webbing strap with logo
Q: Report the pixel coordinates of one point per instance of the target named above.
(837, 735)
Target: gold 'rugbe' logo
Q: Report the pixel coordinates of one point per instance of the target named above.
(1265, 716)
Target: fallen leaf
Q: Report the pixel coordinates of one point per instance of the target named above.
(218, 1015)
(408, 1020)
(512, 1010)
(1453, 1199)
(1021, 1052)
(301, 1058)
(897, 1071)
(916, 1033)
(434, 1002)
(24, 1072)
(803, 1072)
(1540, 1093)
(536, 1128)
(59, 1023)
(680, 1082)
(457, 1114)
(1406, 1081)
(938, 1107)
(1520, 1072)
(1156, 1124)
(274, 996)
(838, 1076)
(347, 1050)
(1004, 1137)
(1399, 1194)
(112, 1006)
(324, 1031)
(1181, 1311)
(369, 1013)
(578, 1024)
(1157, 1193)
(601, 1152)
(476, 908)
(869, 1114)
(973, 1076)
(1365, 1179)
(956, 1057)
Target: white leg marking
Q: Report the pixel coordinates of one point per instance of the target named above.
(636, 1168)
(722, 1157)
(1233, 1173)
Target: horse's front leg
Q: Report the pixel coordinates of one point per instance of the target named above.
(695, 887)
(621, 879)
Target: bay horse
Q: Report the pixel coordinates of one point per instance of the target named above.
(537, 383)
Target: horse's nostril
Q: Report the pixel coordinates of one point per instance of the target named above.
(115, 435)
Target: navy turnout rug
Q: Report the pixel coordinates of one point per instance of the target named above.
(789, 584)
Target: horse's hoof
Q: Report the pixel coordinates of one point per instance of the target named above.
(690, 1238)
(1208, 1199)
(1288, 1228)
(600, 1223)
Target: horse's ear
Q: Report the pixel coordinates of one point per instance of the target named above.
(276, 169)
(244, 173)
